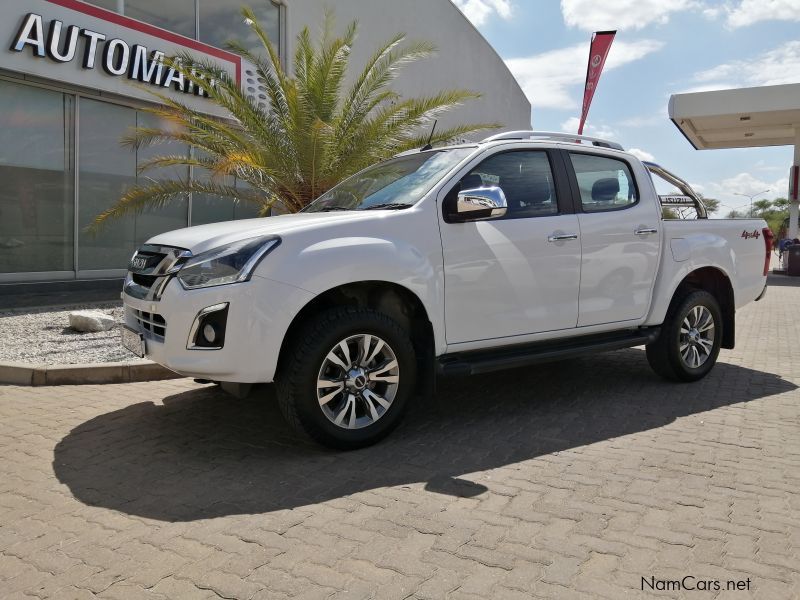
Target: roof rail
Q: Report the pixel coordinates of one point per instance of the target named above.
(554, 135)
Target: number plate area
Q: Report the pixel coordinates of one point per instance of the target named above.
(132, 341)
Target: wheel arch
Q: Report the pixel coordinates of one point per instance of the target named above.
(392, 299)
(716, 282)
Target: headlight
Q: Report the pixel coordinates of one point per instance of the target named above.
(227, 264)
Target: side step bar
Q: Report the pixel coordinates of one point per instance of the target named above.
(508, 357)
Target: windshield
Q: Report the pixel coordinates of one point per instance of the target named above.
(397, 183)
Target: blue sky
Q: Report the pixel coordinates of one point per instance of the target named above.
(662, 47)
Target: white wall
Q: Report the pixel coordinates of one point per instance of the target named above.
(464, 58)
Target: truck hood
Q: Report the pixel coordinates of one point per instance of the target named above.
(205, 237)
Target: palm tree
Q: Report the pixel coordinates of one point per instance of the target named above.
(314, 133)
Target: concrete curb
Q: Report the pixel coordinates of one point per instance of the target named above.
(115, 372)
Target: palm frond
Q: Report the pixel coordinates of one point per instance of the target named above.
(369, 91)
(316, 130)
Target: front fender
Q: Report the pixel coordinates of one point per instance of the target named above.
(326, 264)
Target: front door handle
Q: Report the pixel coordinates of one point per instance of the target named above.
(645, 231)
(561, 237)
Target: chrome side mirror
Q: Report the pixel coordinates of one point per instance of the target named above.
(480, 203)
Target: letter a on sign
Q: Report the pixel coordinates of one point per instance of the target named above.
(31, 32)
(598, 51)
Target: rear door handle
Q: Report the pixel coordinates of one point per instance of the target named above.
(645, 231)
(561, 237)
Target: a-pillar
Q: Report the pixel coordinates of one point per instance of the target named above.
(794, 209)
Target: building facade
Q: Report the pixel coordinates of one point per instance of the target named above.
(75, 76)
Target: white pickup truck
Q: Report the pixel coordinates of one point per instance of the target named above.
(526, 247)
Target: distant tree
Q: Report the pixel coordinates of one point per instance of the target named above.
(711, 204)
(761, 206)
(667, 212)
(774, 212)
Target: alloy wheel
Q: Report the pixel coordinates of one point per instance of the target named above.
(358, 381)
(697, 337)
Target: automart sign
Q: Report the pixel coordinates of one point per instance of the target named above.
(117, 57)
(85, 45)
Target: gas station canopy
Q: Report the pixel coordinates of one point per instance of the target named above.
(738, 118)
(745, 118)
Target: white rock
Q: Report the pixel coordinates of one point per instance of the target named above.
(90, 320)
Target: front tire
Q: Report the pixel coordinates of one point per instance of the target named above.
(347, 380)
(688, 345)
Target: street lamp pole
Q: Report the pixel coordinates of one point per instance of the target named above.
(751, 198)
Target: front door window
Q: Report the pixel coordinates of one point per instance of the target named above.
(505, 277)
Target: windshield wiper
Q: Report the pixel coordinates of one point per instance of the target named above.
(387, 206)
(333, 208)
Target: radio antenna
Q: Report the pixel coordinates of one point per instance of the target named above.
(430, 137)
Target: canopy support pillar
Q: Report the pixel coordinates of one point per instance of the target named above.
(794, 207)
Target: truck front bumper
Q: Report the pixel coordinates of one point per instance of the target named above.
(259, 313)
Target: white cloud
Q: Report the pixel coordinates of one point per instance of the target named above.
(762, 165)
(645, 120)
(728, 190)
(745, 183)
(774, 67)
(571, 125)
(712, 12)
(548, 78)
(591, 15)
(642, 154)
(708, 87)
(748, 12)
(479, 11)
(600, 131)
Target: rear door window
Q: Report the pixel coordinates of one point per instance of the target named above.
(605, 183)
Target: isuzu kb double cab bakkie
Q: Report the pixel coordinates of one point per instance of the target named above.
(460, 260)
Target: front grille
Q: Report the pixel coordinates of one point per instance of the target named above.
(150, 270)
(152, 322)
(145, 281)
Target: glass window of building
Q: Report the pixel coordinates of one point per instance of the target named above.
(175, 214)
(221, 21)
(176, 15)
(115, 5)
(213, 209)
(107, 170)
(37, 174)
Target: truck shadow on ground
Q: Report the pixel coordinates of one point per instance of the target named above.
(203, 454)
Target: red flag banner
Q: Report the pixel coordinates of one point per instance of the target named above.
(598, 51)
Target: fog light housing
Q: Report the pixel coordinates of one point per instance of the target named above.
(208, 328)
(209, 333)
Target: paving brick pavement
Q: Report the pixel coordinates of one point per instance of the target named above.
(571, 480)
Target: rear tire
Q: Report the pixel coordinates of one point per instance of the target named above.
(347, 379)
(688, 345)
